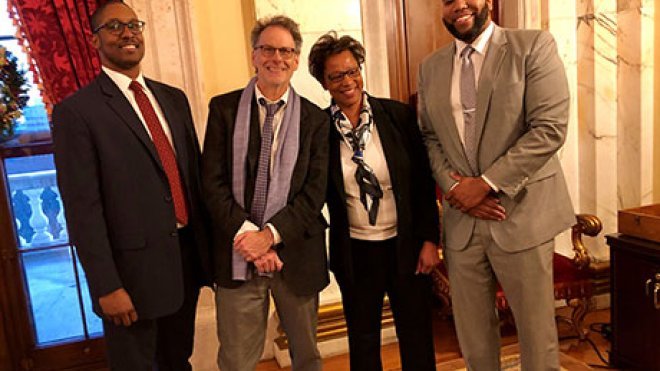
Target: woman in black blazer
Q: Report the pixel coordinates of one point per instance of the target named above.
(383, 214)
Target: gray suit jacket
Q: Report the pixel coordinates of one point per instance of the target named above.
(522, 116)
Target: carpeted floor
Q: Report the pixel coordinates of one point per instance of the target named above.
(510, 361)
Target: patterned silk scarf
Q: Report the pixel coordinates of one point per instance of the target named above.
(357, 139)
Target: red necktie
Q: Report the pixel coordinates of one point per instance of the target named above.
(165, 151)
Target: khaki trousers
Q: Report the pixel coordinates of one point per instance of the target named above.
(242, 315)
(526, 278)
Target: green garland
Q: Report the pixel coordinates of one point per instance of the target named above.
(13, 93)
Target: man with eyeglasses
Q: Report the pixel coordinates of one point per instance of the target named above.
(128, 170)
(264, 177)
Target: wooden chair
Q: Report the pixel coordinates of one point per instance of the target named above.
(576, 280)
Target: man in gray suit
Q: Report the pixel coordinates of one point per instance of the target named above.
(493, 111)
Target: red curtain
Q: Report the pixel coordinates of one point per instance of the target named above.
(57, 36)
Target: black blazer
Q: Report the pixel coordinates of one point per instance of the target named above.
(116, 196)
(412, 184)
(300, 223)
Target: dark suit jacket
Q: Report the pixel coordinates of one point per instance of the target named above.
(412, 184)
(116, 195)
(300, 223)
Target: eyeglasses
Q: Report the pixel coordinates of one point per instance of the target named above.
(353, 73)
(116, 27)
(269, 51)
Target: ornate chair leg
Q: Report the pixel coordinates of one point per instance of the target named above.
(441, 291)
(579, 309)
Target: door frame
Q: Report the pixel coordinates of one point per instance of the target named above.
(18, 346)
(403, 85)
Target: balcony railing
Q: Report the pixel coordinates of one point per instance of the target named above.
(55, 281)
(38, 209)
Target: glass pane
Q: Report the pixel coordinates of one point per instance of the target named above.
(6, 26)
(36, 202)
(94, 324)
(33, 126)
(39, 221)
(53, 295)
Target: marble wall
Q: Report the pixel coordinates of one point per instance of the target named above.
(615, 45)
(608, 51)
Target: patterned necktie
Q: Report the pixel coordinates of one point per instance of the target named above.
(165, 151)
(469, 101)
(260, 196)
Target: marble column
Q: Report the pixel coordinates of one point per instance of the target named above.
(607, 47)
(600, 192)
(171, 51)
(610, 166)
(559, 16)
(635, 102)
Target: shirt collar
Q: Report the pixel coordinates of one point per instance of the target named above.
(480, 44)
(121, 80)
(284, 98)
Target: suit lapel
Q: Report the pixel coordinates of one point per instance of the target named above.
(254, 142)
(389, 141)
(118, 103)
(489, 72)
(335, 168)
(176, 125)
(442, 102)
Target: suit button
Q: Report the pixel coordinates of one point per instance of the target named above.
(174, 234)
(168, 198)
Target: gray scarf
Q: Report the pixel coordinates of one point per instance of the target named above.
(283, 162)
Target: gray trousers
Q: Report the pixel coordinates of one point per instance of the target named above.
(242, 315)
(526, 278)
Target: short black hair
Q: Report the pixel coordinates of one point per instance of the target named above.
(329, 44)
(281, 21)
(95, 19)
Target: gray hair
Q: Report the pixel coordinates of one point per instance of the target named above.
(281, 21)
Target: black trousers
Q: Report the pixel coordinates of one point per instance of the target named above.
(375, 274)
(165, 343)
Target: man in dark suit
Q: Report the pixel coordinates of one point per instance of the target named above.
(494, 108)
(264, 176)
(128, 170)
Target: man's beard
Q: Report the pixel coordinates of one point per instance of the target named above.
(480, 20)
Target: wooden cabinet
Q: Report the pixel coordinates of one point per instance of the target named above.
(635, 275)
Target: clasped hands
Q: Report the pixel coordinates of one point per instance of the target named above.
(471, 195)
(257, 247)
